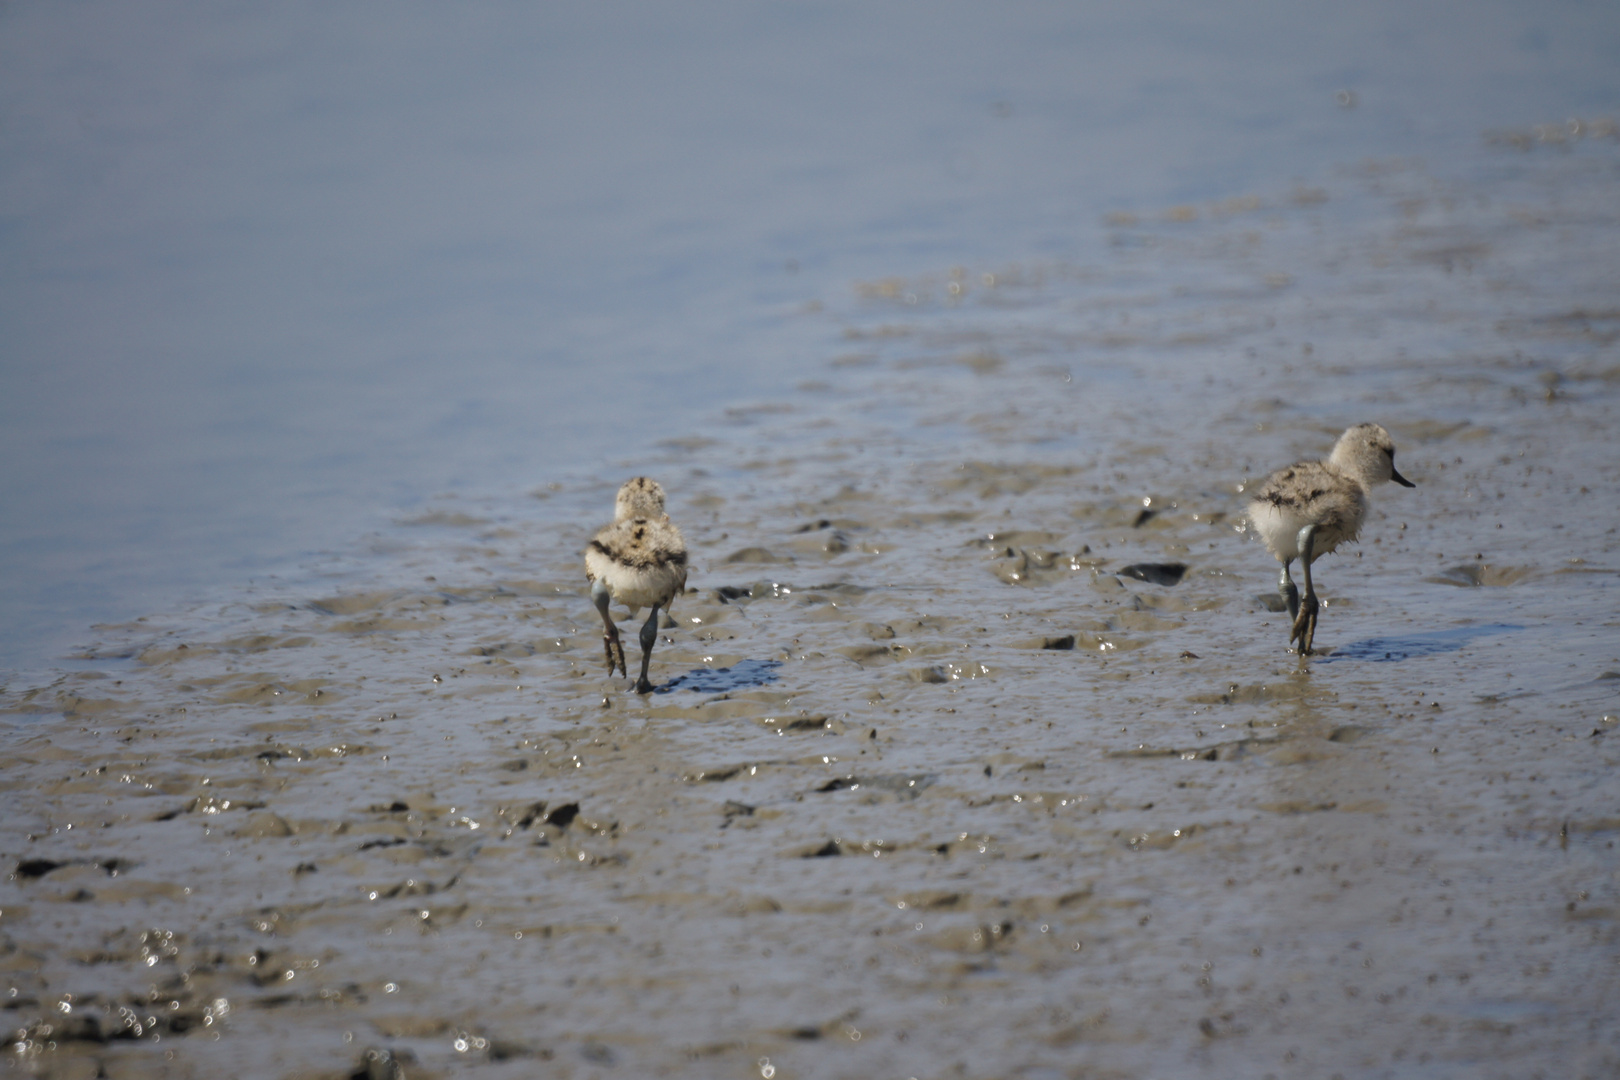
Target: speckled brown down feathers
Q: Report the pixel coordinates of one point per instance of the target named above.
(1308, 509)
(637, 561)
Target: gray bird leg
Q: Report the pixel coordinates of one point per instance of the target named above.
(649, 637)
(610, 633)
(1305, 624)
(1290, 594)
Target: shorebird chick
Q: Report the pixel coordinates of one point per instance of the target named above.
(1308, 509)
(638, 561)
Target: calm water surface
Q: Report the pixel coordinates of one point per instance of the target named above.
(271, 279)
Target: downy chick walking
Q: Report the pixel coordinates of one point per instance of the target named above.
(638, 561)
(1308, 509)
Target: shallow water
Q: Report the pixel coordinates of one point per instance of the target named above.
(272, 277)
(971, 799)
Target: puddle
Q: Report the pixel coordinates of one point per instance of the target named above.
(739, 676)
(1412, 646)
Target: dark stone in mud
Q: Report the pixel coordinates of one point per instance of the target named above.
(827, 850)
(1060, 643)
(727, 593)
(736, 809)
(1143, 517)
(33, 869)
(1156, 573)
(1271, 602)
(813, 526)
(563, 815)
(391, 841)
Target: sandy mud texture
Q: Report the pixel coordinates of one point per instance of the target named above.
(978, 750)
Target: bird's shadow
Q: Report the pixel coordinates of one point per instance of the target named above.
(1384, 650)
(739, 676)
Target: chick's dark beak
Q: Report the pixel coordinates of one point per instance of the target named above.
(1398, 478)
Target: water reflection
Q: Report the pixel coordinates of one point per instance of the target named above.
(1407, 646)
(739, 676)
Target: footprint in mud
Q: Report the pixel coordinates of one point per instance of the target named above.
(739, 676)
(1407, 646)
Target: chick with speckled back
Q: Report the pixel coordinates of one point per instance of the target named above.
(1308, 509)
(639, 560)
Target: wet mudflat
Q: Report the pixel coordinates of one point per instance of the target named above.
(978, 753)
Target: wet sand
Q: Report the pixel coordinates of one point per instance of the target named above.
(978, 752)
